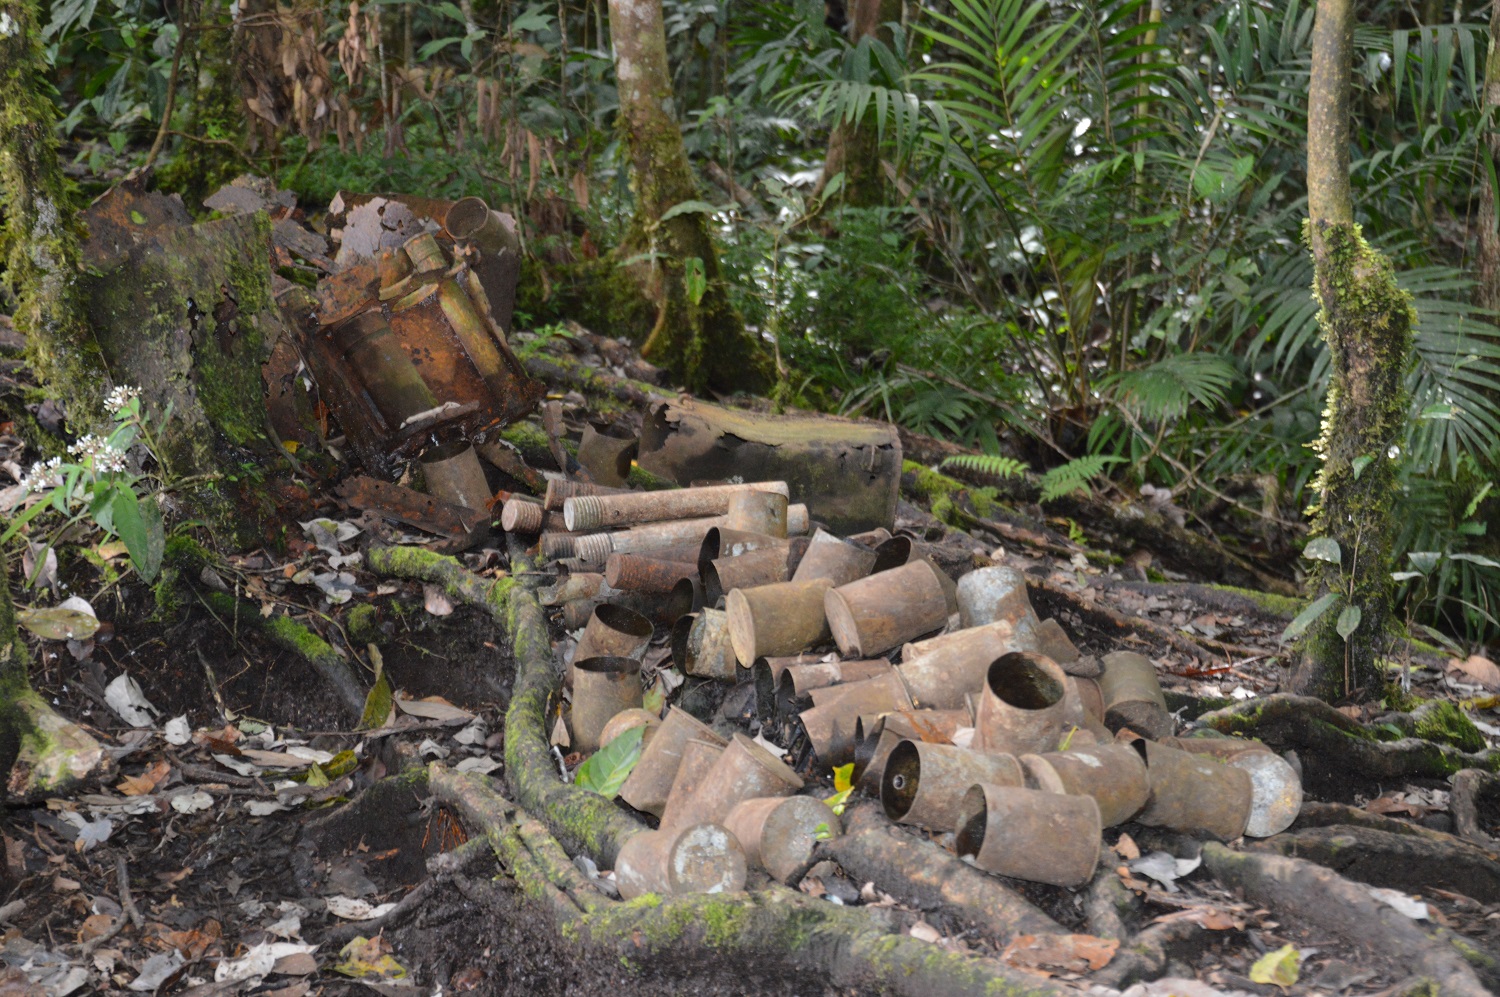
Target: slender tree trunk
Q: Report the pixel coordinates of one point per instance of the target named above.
(698, 333)
(39, 240)
(1488, 259)
(1366, 321)
(854, 146)
(213, 149)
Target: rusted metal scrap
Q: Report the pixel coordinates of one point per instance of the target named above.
(405, 505)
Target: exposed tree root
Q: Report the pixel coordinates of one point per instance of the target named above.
(1108, 905)
(1469, 787)
(848, 947)
(1325, 903)
(922, 875)
(1145, 956)
(1399, 861)
(1338, 744)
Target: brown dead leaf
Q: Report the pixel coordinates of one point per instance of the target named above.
(1127, 849)
(93, 926)
(925, 932)
(1066, 953)
(140, 785)
(299, 964)
(1209, 917)
(1477, 669)
(194, 943)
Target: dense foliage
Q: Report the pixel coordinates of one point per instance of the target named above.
(1092, 241)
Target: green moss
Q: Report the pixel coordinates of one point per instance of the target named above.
(360, 623)
(1443, 723)
(1278, 605)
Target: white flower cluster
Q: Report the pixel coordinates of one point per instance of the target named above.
(120, 397)
(43, 475)
(105, 457)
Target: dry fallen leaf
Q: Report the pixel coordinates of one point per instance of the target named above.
(140, 785)
(1477, 669)
(1066, 953)
(1126, 848)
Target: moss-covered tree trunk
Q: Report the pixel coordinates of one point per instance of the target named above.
(1367, 323)
(854, 146)
(698, 334)
(39, 240)
(1488, 258)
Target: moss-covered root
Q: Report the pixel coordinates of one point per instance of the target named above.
(287, 633)
(39, 241)
(1336, 743)
(849, 948)
(56, 755)
(457, 581)
(1326, 903)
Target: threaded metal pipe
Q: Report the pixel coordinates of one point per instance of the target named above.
(559, 490)
(520, 516)
(593, 548)
(557, 544)
(585, 512)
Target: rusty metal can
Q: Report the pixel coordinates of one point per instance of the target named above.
(649, 783)
(779, 833)
(1113, 774)
(602, 687)
(1027, 705)
(876, 614)
(1028, 834)
(837, 560)
(989, 594)
(1194, 794)
(924, 784)
(453, 474)
(758, 512)
(743, 771)
(703, 858)
(776, 620)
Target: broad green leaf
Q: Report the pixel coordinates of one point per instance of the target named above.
(1359, 464)
(694, 281)
(1279, 968)
(378, 703)
(1424, 560)
(654, 699)
(1479, 559)
(1405, 576)
(1348, 621)
(1323, 549)
(1309, 616)
(58, 623)
(688, 207)
(605, 770)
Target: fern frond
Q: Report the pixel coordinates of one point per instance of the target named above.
(990, 466)
(1166, 389)
(1075, 475)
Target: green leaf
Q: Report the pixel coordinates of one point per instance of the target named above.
(1309, 616)
(1359, 464)
(58, 623)
(378, 703)
(843, 777)
(1323, 549)
(694, 281)
(1348, 621)
(1478, 559)
(138, 522)
(654, 699)
(688, 207)
(605, 770)
(1405, 576)
(1424, 560)
(1279, 968)
(1074, 476)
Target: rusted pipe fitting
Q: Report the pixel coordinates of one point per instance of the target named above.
(873, 615)
(1028, 834)
(596, 512)
(870, 539)
(472, 219)
(528, 518)
(704, 858)
(556, 545)
(649, 572)
(1133, 697)
(698, 760)
(758, 512)
(425, 253)
(722, 542)
(560, 490)
(765, 673)
(649, 783)
(1025, 707)
(837, 560)
(1194, 794)
(924, 784)
(605, 455)
(1275, 787)
(1113, 774)
(602, 687)
(776, 620)
(832, 723)
(744, 771)
(989, 594)
(779, 833)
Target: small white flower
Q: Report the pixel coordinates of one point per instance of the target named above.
(109, 459)
(7, 25)
(119, 397)
(43, 475)
(86, 446)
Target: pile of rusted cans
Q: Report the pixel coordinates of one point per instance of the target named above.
(960, 708)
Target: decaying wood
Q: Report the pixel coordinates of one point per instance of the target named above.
(1326, 904)
(1403, 862)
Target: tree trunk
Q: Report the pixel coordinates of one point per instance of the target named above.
(698, 334)
(854, 146)
(1487, 260)
(39, 240)
(1366, 322)
(212, 153)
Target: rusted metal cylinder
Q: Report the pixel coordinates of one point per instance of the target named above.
(901, 550)
(425, 253)
(875, 614)
(556, 545)
(648, 572)
(833, 721)
(383, 368)
(744, 771)
(1025, 706)
(1028, 834)
(837, 560)
(765, 673)
(704, 858)
(870, 539)
(650, 782)
(529, 518)
(1275, 787)
(698, 760)
(627, 720)
(705, 649)
(1089, 696)
(574, 585)
(596, 512)
(758, 567)
(954, 666)
(989, 594)
(1133, 697)
(606, 455)
(614, 631)
(722, 542)
(1113, 774)
(453, 474)
(1194, 794)
(758, 512)
(602, 687)
(596, 547)
(778, 833)
(559, 490)
(575, 615)
(923, 784)
(798, 681)
(776, 620)
(930, 726)
(1052, 640)
(474, 333)
(999, 637)
(472, 219)
(872, 748)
